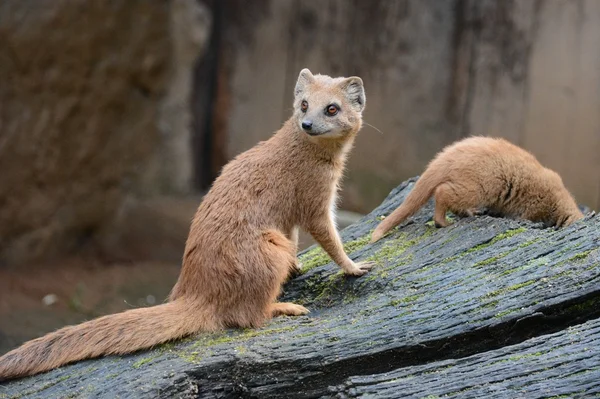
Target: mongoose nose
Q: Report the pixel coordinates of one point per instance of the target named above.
(306, 125)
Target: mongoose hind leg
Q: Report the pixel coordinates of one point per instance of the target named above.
(287, 309)
(453, 198)
(468, 213)
(295, 267)
(441, 205)
(279, 254)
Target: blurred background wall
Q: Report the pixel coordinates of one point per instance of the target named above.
(434, 71)
(115, 117)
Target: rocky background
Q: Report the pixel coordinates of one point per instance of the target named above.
(94, 111)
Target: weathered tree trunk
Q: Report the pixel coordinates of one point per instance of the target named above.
(462, 311)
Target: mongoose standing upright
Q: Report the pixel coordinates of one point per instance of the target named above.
(243, 239)
(485, 172)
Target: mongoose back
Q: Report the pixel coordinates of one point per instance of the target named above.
(491, 173)
(243, 239)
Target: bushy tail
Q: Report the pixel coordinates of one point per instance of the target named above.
(109, 335)
(419, 195)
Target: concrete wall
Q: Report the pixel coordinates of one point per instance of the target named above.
(434, 71)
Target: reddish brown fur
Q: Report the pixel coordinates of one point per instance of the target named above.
(484, 172)
(242, 242)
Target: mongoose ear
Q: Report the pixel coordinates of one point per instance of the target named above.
(306, 77)
(355, 91)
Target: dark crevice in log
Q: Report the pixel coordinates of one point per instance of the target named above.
(544, 321)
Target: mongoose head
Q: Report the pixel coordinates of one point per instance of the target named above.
(328, 108)
(565, 210)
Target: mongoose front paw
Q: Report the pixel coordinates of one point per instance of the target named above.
(297, 310)
(288, 309)
(360, 268)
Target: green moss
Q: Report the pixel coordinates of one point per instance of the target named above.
(353, 246)
(543, 261)
(499, 237)
(580, 256)
(520, 285)
(509, 289)
(392, 249)
(190, 357)
(323, 289)
(405, 300)
(314, 258)
(317, 257)
(584, 307)
(210, 340)
(143, 361)
(200, 348)
(451, 258)
(530, 242)
(489, 260)
(525, 356)
(569, 249)
(505, 313)
(42, 388)
(169, 346)
(491, 304)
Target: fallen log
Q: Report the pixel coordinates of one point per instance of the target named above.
(483, 286)
(562, 365)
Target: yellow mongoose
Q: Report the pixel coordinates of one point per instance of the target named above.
(485, 172)
(243, 239)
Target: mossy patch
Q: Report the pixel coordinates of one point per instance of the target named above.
(542, 261)
(314, 258)
(585, 307)
(580, 256)
(505, 312)
(355, 245)
(405, 300)
(530, 242)
(42, 388)
(143, 361)
(514, 287)
(393, 248)
(322, 289)
(491, 260)
(203, 343)
(499, 237)
(317, 257)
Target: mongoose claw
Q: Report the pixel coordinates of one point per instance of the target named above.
(360, 268)
(295, 270)
(377, 234)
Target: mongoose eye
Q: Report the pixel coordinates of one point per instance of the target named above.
(304, 106)
(332, 109)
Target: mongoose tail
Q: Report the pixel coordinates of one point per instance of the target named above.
(109, 335)
(420, 194)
